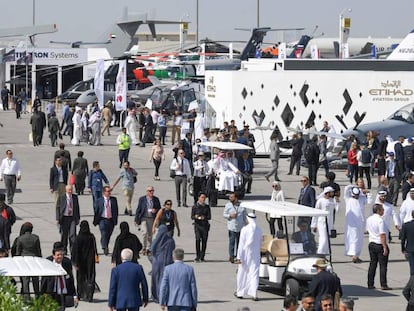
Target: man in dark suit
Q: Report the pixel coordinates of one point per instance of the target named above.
(408, 293)
(68, 216)
(58, 179)
(60, 288)
(323, 283)
(178, 285)
(305, 237)
(306, 197)
(127, 282)
(245, 164)
(407, 242)
(148, 207)
(106, 215)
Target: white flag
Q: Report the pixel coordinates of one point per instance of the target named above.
(282, 50)
(121, 87)
(202, 63)
(314, 51)
(99, 81)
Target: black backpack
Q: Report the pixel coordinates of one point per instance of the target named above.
(366, 156)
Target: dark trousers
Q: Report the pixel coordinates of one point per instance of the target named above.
(394, 186)
(325, 165)
(106, 226)
(199, 185)
(201, 237)
(10, 183)
(53, 138)
(272, 225)
(5, 104)
(25, 285)
(353, 172)
(312, 171)
(376, 254)
(247, 180)
(410, 256)
(181, 182)
(294, 161)
(409, 307)
(365, 170)
(157, 164)
(123, 156)
(163, 133)
(68, 231)
(234, 238)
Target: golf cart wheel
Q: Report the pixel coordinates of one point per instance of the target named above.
(292, 287)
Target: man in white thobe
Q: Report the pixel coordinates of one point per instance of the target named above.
(199, 125)
(248, 258)
(325, 202)
(407, 207)
(354, 223)
(227, 172)
(77, 126)
(131, 126)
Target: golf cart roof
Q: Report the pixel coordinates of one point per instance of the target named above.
(29, 266)
(225, 145)
(282, 209)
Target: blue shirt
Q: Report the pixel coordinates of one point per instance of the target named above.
(234, 224)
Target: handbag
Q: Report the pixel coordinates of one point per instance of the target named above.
(72, 179)
(135, 179)
(96, 258)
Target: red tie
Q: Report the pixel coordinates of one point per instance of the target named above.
(61, 283)
(70, 209)
(108, 209)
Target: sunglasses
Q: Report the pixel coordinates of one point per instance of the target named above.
(327, 305)
(150, 190)
(303, 180)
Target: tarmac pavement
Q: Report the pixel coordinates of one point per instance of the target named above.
(216, 277)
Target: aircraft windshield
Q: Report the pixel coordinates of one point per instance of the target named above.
(405, 114)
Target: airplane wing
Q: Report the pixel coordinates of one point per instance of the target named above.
(327, 134)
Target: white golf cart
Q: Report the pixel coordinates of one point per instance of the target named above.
(286, 264)
(20, 266)
(235, 149)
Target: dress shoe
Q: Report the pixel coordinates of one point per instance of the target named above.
(371, 287)
(255, 299)
(185, 205)
(130, 213)
(126, 211)
(196, 259)
(267, 178)
(106, 251)
(231, 259)
(289, 173)
(386, 288)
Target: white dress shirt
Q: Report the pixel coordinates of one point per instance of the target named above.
(9, 167)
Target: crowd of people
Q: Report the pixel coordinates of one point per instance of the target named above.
(193, 161)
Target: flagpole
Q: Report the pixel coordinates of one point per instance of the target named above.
(27, 73)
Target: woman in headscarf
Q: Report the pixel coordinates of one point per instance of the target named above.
(277, 196)
(161, 249)
(84, 257)
(126, 239)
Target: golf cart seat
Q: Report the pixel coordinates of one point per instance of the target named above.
(278, 252)
(266, 239)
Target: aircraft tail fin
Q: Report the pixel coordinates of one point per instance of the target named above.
(300, 47)
(405, 50)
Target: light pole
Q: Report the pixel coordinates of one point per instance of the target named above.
(341, 30)
(258, 13)
(197, 38)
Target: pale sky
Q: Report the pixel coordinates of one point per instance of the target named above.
(88, 19)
